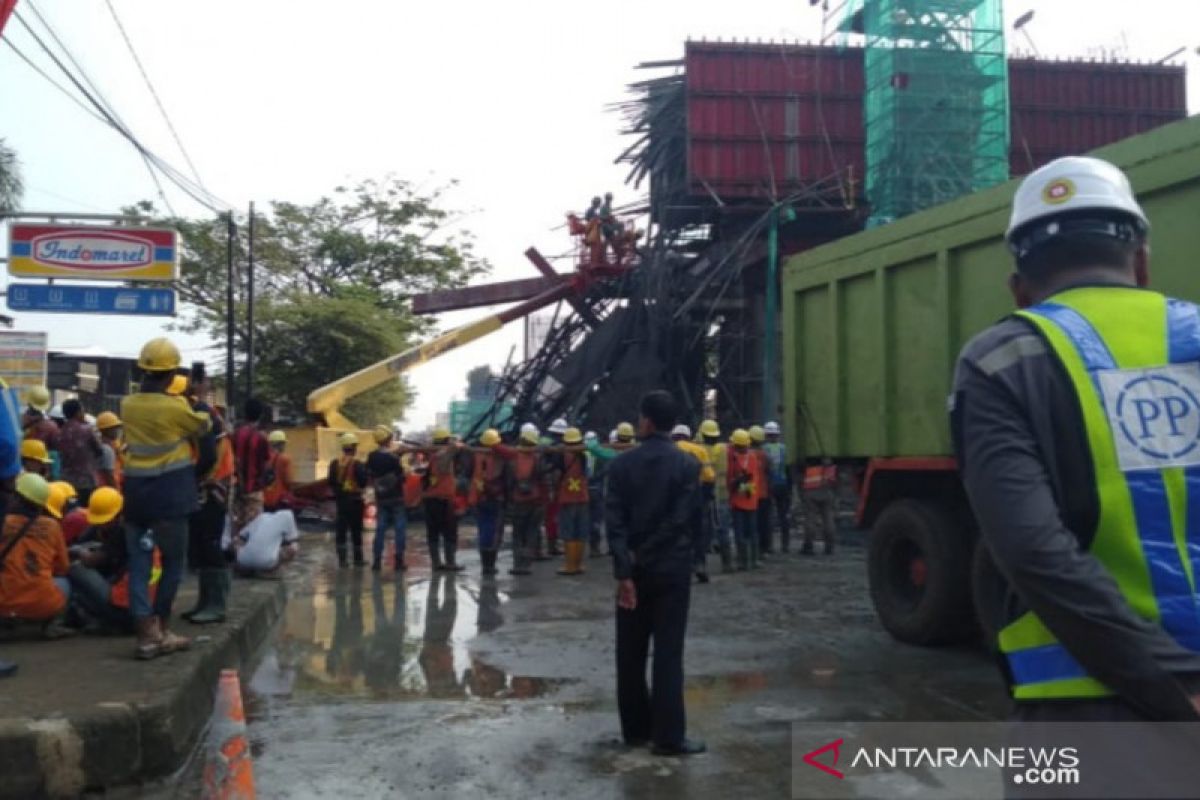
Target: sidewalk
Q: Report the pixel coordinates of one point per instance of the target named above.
(82, 714)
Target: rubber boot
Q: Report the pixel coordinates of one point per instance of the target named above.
(359, 561)
(726, 558)
(580, 550)
(450, 555)
(755, 554)
(398, 563)
(342, 560)
(435, 553)
(488, 559)
(201, 600)
(568, 567)
(743, 556)
(219, 583)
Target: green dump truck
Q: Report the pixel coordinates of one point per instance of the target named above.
(872, 325)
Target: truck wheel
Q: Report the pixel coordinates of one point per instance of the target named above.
(919, 563)
(989, 590)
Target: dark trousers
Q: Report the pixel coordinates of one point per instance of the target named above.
(653, 713)
(441, 527)
(763, 524)
(90, 595)
(349, 524)
(596, 535)
(205, 526)
(527, 519)
(781, 496)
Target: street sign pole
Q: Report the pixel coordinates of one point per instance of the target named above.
(230, 283)
(250, 305)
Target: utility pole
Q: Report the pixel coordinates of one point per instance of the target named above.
(230, 281)
(250, 306)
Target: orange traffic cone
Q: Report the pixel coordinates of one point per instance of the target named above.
(228, 773)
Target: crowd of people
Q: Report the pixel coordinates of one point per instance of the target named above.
(551, 488)
(105, 513)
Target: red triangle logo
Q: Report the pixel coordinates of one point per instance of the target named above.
(835, 747)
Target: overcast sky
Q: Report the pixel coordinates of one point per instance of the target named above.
(285, 99)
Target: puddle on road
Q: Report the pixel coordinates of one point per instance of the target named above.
(359, 635)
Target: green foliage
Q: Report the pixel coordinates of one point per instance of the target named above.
(11, 185)
(332, 286)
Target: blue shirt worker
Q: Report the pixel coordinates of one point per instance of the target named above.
(779, 480)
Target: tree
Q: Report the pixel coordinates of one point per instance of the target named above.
(11, 185)
(332, 286)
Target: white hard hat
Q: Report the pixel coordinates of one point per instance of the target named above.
(682, 430)
(590, 436)
(559, 426)
(529, 429)
(1065, 186)
(771, 429)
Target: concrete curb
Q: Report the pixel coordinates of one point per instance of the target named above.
(113, 744)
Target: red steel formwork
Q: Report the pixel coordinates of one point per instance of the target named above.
(766, 121)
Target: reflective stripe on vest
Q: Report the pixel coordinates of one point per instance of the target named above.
(1139, 392)
(819, 478)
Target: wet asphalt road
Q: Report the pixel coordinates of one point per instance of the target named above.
(412, 685)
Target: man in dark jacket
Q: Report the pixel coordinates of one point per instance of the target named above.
(387, 477)
(653, 495)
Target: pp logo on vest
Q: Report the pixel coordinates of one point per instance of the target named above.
(1154, 414)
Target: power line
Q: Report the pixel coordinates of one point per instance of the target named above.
(197, 192)
(157, 100)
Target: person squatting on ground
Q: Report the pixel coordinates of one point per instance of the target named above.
(653, 495)
(449, 464)
(530, 474)
(491, 484)
(743, 474)
(348, 478)
(206, 526)
(33, 559)
(162, 433)
(820, 501)
(35, 458)
(267, 543)
(387, 479)
(779, 479)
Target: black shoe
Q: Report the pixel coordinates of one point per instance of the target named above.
(453, 567)
(399, 565)
(701, 577)
(376, 566)
(689, 747)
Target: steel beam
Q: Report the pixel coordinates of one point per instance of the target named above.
(489, 294)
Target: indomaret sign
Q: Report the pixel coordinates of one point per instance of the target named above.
(91, 252)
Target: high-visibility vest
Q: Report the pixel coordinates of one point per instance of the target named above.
(818, 477)
(347, 475)
(488, 469)
(720, 464)
(707, 474)
(573, 486)
(527, 483)
(762, 467)
(280, 466)
(1133, 357)
(743, 470)
(441, 483)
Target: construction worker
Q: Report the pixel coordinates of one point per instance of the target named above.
(387, 478)
(1074, 422)
(33, 559)
(78, 450)
(710, 435)
(626, 436)
(35, 458)
(215, 475)
(278, 494)
(529, 475)
(555, 431)
(348, 478)
(682, 436)
(779, 480)
(758, 437)
(820, 502)
(442, 478)
(490, 478)
(34, 421)
(572, 499)
(112, 459)
(742, 476)
(162, 433)
(597, 469)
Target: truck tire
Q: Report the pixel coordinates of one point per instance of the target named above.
(989, 591)
(919, 562)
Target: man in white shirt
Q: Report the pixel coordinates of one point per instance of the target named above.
(267, 541)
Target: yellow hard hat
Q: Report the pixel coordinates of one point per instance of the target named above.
(159, 355)
(625, 431)
(740, 438)
(66, 487)
(572, 436)
(57, 498)
(106, 420)
(490, 438)
(39, 398)
(178, 385)
(440, 434)
(757, 434)
(381, 434)
(33, 487)
(36, 450)
(277, 437)
(348, 440)
(104, 505)
(710, 428)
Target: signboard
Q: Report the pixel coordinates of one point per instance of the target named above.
(57, 298)
(23, 359)
(92, 252)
